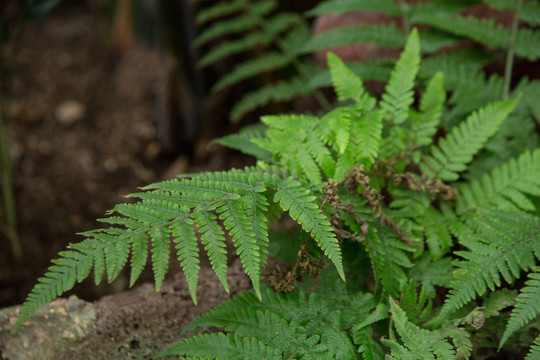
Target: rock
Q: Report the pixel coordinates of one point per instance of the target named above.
(70, 112)
(55, 326)
(136, 324)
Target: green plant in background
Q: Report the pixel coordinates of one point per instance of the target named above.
(396, 213)
(268, 40)
(444, 28)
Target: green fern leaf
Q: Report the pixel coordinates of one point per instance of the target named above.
(418, 343)
(527, 307)
(346, 84)
(160, 254)
(275, 26)
(505, 243)
(74, 265)
(221, 346)
(232, 47)
(281, 91)
(219, 10)
(388, 258)
(188, 253)
(505, 186)
(399, 95)
(302, 207)
(241, 230)
(310, 326)
(367, 345)
(139, 254)
(251, 68)
(340, 6)
(386, 35)
(235, 25)
(461, 340)
(534, 354)
(242, 141)
(424, 125)
(213, 239)
(464, 141)
(487, 32)
(367, 127)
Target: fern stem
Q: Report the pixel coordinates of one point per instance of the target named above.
(511, 50)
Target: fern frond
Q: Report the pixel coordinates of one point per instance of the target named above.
(242, 141)
(235, 25)
(424, 125)
(232, 47)
(527, 307)
(378, 70)
(388, 258)
(505, 243)
(238, 197)
(218, 10)
(293, 197)
(275, 26)
(457, 149)
(534, 354)
(299, 318)
(281, 91)
(346, 84)
(485, 31)
(505, 186)
(385, 35)
(367, 127)
(367, 345)
(251, 68)
(399, 94)
(430, 273)
(418, 343)
(222, 346)
(339, 6)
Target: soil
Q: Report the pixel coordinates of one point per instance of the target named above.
(83, 133)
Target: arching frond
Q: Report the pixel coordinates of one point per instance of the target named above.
(457, 149)
(234, 202)
(506, 186)
(505, 243)
(398, 95)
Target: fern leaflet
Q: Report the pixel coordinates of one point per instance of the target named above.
(527, 307)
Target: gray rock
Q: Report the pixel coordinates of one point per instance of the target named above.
(54, 327)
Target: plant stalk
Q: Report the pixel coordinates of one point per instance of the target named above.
(511, 50)
(7, 189)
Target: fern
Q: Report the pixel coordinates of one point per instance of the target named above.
(419, 343)
(223, 347)
(527, 307)
(505, 186)
(484, 31)
(398, 95)
(534, 354)
(237, 197)
(400, 211)
(270, 46)
(506, 243)
(457, 149)
(300, 325)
